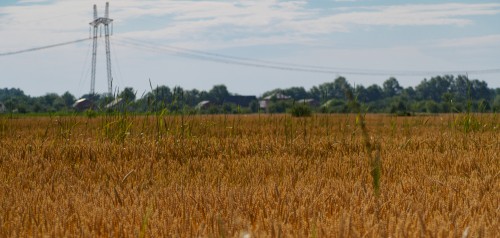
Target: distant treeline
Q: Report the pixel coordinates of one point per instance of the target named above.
(440, 94)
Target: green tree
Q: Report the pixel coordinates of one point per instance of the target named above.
(431, 106)
(361, 93)
(331, 90)
(374, 93)
(278, 107)
(340, 86)
(480, 90)
(254, 106)
(399, 105)
(178, 93)
(496, 103)
(10, 104)
(68, 99)
(49, 99)
(218, 93)
(128, 94)
(391, 87)
(58, 104)
(162, 94)
(335, 106)
(461, 88)
(301, 110)
(434, 88)
(296, 93)
(192, 97)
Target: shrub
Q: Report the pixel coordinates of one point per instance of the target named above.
(90, 113)
(301, 110)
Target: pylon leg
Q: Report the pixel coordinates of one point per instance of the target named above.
(95, 24)
(108, 60)
(94, 61)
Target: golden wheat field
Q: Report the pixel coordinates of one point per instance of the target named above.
(249, 176)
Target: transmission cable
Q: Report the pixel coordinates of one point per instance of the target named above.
(42, 47)
(85, 69)
(220, 58)
(210, 54)
(207, 56)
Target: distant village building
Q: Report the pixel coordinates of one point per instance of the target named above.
(203, 105)
(115, 104)
(2, 108)
(277, 96)
(83, 104)
(331, 103)
(264, 103)
(327, 103)
(243, 101)
(309, 101)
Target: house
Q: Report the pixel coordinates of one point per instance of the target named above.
(2, 108)
(263, 104)
(309, 101)
(203, 105)
(277, 96)
(83, 104)
(115, 104)
(243, 101)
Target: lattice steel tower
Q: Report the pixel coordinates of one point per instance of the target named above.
(98, 21)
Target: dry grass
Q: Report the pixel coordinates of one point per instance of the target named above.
(234, 175)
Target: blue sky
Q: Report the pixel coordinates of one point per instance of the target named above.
(387, 37)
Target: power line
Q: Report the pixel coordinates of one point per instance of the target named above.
(42, 47)
(156, 49)
(207, 56)
(85, 69)
(210, 54)
(234, 60)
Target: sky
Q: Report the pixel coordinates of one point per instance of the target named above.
(249, 46)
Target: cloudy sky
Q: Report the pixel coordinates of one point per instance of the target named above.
(250, 46)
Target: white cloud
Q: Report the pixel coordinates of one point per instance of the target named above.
(212, 20)
(224, 24)
(222, 21)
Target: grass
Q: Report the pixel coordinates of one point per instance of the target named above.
(258, 175)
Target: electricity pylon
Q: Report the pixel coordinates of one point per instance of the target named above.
(95, 24)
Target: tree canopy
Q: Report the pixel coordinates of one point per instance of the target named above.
(444, 93)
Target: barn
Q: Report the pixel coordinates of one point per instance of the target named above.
(83, 104)
(243, 101)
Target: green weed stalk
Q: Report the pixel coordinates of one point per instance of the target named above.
(375, 161)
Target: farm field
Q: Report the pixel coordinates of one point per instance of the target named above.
(250, 175)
